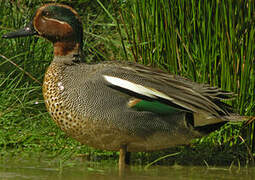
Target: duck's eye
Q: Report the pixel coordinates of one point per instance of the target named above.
(46, 13)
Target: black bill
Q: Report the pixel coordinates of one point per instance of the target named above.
(26, 31)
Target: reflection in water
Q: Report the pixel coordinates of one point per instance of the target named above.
(76, 170)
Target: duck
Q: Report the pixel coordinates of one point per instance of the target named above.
(119, 105)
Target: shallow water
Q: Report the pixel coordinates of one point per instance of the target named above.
(77, 170)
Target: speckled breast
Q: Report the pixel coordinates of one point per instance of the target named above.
(55, 104)
(58, 106)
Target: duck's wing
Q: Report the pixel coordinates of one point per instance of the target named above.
(157, 91)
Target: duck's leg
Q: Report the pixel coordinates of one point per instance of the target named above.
(124, 158)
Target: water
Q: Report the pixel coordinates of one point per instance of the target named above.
(78, 170)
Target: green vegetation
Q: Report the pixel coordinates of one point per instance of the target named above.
(210, 42)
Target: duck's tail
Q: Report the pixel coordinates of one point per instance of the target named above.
(206, 125)
(238, 118)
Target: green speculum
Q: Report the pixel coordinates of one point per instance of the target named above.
(155, 107)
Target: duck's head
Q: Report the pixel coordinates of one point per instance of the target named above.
(58, 23)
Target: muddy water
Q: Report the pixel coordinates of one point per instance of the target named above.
(73, 170)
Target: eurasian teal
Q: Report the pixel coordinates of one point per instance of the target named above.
(119, 106)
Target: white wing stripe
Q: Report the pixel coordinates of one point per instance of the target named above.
(149, 92)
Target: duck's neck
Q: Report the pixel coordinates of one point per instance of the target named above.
(63, 48)
(67, 51)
